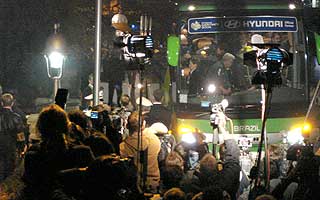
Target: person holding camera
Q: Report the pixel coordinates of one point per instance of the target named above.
(56, 151)
(224, 173)
(150, 148)
(305, 173)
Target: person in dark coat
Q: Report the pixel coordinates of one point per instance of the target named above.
(88, 90)
(158, 112)
(194, 79)
(56, 151)
(227, 178)
(115, 73)
(11, 126)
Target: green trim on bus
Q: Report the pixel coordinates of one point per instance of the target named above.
(317, 38)
(245, 126)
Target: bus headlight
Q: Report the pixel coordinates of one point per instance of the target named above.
(188, 138)
(187, 135)
(211, 88)
(295, 136)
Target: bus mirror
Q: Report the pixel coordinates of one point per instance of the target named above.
(317, 38)
(173, 45)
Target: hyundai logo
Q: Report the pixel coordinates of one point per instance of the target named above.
(232, 24)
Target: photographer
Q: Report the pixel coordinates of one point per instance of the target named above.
(150, 146)
(108, 122)
(305, 173)
(226, 175)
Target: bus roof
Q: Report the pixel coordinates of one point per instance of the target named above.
(205, 5)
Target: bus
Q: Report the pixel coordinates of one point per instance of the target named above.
(213, 31)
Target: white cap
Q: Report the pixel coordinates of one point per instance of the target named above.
(257, 39)
(145, 102)
(90, 97)
(159, 127)
(227, 56)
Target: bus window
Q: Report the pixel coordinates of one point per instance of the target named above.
(221, 64)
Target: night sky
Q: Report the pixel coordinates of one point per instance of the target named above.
(27, 24)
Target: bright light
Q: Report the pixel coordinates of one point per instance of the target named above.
(140, 55)
(292, 6)
(306, 128)
(184, 130)
(295, 136)
(211, 88)
(56, 60)
(188, 138)
(139, 85)
(176, 4)
(224, 103)
(203, 52)
(191, 8)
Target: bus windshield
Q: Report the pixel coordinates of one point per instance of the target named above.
(215, 65)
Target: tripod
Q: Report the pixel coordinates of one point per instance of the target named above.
(141, 155)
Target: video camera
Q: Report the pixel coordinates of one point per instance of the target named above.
(118, 116)
(137, 48)
(76, 180)
(100, 118)
(217, 115)
(297, 152)
(269, 60)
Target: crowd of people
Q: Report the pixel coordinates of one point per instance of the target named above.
(81, 158)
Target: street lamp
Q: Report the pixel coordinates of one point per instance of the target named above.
(55, 58)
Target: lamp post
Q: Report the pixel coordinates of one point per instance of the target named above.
(55, 58)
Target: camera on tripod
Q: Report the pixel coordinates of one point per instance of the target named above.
(270, 60)
(138, 48)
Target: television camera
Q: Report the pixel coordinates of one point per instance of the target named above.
(269, 59)
(137, 48)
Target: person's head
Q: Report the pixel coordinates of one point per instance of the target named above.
(133, 122)
(265, 197)
(158, 95)
(171, 176)
(107, 175)
(52, 121)
(79, 118)
(228, 59)
(276, 38)
(124, 100)
(174, 194)
(194, 63)
(174, 159)
(220, 50)
(90, 79)
(214, 193)
(233, 148)
(7, 100)
(208, 164)
(99, 144)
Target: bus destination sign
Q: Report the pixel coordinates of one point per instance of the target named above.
(242, 24)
